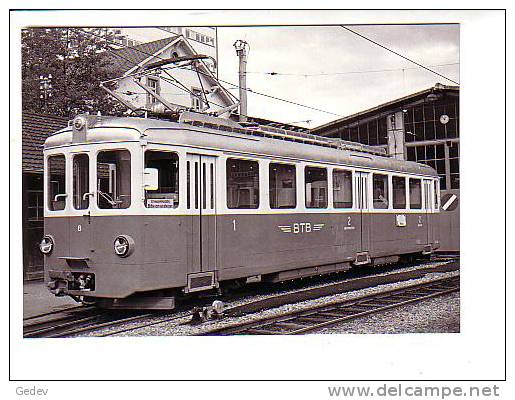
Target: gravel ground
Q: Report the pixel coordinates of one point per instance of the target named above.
(437, 315)
(179, 325)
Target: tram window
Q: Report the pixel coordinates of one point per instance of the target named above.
(415, 193)
(56, 182)
(114, 179)
(282, 186)
(435, 192)
(316, 187)
(167, 193)
(80, 181)
(380, 191)
(242, 183)
(188, 189)
(399, 192)
(212, 185)
(342, 188)
(204, 189)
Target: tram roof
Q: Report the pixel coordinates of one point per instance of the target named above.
(230, 139)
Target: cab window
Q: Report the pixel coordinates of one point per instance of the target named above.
(80, 181)
(167, 193)
(114, 179)
(56, 185)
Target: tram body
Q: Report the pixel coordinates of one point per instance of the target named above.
(140, 211)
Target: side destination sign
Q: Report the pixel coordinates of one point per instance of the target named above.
(160, 203)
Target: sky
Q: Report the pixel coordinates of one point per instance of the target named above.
(360, 74)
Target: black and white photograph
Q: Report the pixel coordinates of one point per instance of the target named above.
(158, 189)
(249, 182)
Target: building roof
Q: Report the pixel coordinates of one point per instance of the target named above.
(126, 58)
(35, 129)
(385, 107)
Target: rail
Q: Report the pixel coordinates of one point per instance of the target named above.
(321, 316)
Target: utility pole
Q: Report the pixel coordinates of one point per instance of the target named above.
(45, 89)
(241, 51)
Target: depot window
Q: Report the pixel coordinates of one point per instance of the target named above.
(242, 183)
(415, 193)
(342, 188)
(56, 182)
(316, 187)
(282, 186)
(380, 191)
(114, 179)
(399, 192)
(80, 181)
(167, 193)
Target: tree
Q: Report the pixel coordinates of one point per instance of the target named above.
(77, 63)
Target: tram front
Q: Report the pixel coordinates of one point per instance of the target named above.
(93, 225)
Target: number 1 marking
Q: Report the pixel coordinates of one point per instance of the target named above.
(234, 225)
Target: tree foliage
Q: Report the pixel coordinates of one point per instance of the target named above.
(77, 64)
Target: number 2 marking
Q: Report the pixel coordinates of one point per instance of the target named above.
(349, 222)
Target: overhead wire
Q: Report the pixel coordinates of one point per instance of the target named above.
(346, 72)
(274, 97)
(398, 54)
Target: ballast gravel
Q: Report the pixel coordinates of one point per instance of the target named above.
(436, 315)
(405, 320)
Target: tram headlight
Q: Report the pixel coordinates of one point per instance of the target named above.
(123, 245)
(47, 244)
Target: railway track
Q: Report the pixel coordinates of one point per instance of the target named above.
(341, 286)
(79, 320)
(320, 316)
(73, 321)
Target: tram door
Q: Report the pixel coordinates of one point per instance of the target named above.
(201, 203)
(429, 207)
(362, 203)
(80, 229)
